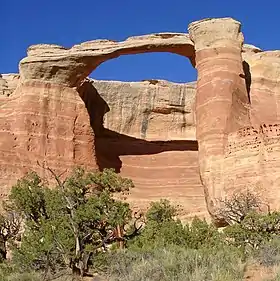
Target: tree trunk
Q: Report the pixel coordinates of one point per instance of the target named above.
(76, 274)
(3, 249)
(120, 237)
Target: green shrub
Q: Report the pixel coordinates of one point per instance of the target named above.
(66, 225)
(161, 211)
(254, 230)
(268, 253)
(201, 234)
(162, 230)
(175, 263)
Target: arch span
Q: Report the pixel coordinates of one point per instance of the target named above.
(230, 107)
(70, 66)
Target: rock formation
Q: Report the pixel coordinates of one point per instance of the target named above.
(8, 83)
(238, 144)
(172, 139)
(150, 130)
(148, 134)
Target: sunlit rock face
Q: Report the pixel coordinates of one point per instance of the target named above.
(45, 123)
(144, 130)
(149, 136)
(236, 114)
(185, 142)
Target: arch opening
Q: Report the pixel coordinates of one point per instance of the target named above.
(146, 129)
(147, 66)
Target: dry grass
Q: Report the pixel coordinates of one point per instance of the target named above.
(176, 264)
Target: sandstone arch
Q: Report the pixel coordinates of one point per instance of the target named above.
(53, 78)
(237, 117)
(70, 66)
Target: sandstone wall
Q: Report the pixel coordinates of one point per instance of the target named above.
(149, 136)
(145, 130)
(43, 122)
(164, 136)
(239, 144)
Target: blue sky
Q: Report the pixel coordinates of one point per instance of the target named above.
(27, 22)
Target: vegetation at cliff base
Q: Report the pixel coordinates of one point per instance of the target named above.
(79, 228)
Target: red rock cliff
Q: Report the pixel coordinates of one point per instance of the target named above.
(165, 136)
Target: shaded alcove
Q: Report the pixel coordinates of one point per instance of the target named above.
(111, 145)
(161, 167)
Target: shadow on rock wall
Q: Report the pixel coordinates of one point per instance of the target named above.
(110, 145)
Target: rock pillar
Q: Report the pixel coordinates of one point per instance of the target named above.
(222, 98)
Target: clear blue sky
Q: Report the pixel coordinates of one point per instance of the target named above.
(27, 22)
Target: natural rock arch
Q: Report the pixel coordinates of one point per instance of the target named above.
(49, 67)
(153, 67)
(70, 66)
(238, 138)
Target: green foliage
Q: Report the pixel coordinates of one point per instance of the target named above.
(254, 230)
(161, 211)
(201, 234)
(159, 235)
(72, 224)
(108, 180)
(27, 197)
(174, 263)
(162, 229)
(66, 225)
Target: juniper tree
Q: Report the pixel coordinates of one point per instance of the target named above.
(68, 224)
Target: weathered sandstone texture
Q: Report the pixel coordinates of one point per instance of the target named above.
(43, 122)
(185, 142)
(145, 130)
(8, 83)
(239, 143)
(150, 130)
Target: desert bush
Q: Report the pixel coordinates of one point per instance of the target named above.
(10, 273)
(237, 207)
(175, 263)
(161, 211)
(268, 253)
(27, 276)
(254, 230)
(201, 234)
(163, 229)
(66, 225)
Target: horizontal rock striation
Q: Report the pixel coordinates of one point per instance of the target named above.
(239, 144)
(180, 141)
(46, 123)
(150, 133)
(145, 130)
(222, 103)
(70, 66)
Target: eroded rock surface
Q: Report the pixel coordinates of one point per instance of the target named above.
(70, 66)
(239, 144)
(165, 136)
(8, 84)
(149, 110)
(150, 133)
(47, 123)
